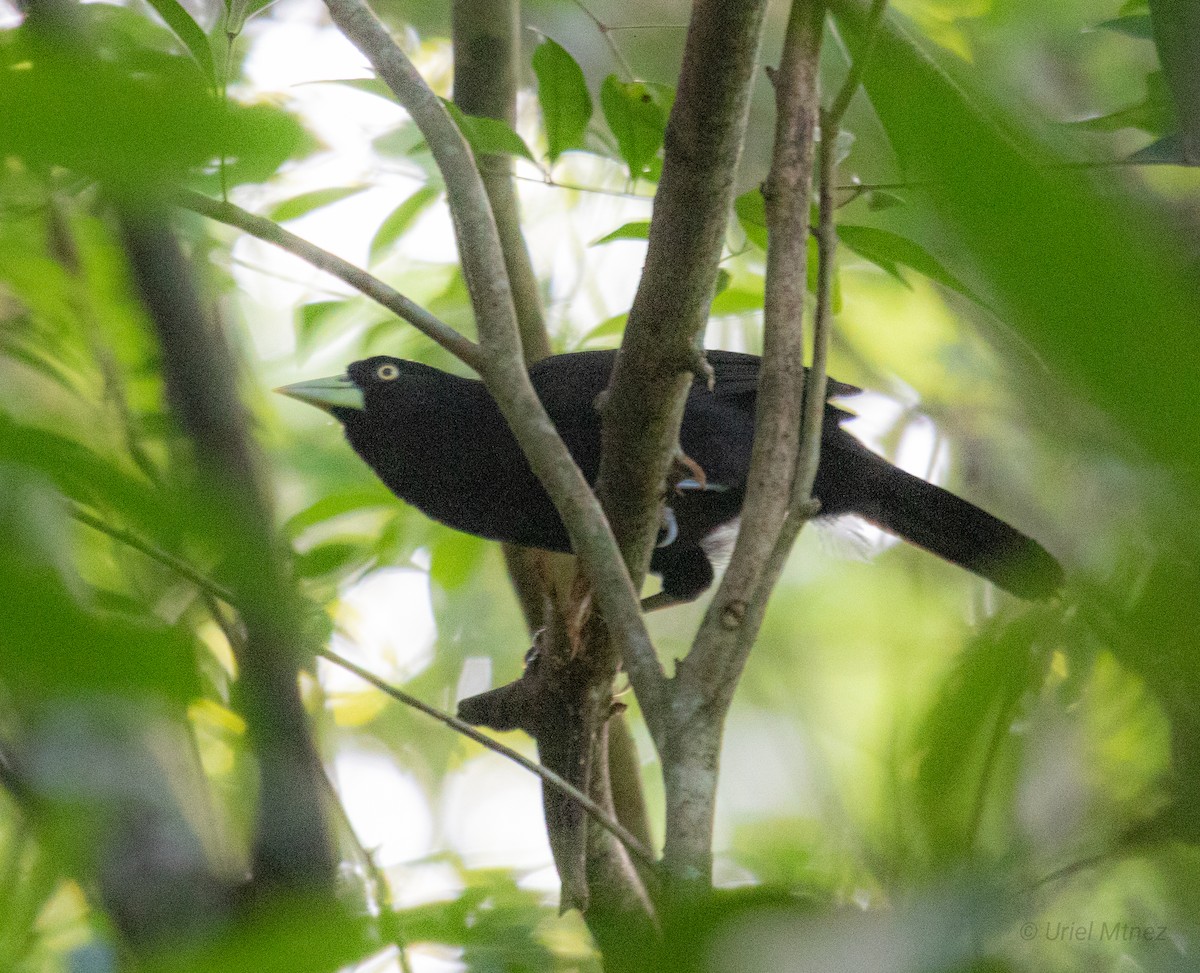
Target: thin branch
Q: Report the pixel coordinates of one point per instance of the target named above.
(598, 814)
(817, 383)
(389, 924)
(616, 27)
(166, 559)
(710, 672)
(861, 58)
(605, 32)
(660, 350)
(551, 183)
(486, 42)
(263, 229)
(781, 380)
(814, 399)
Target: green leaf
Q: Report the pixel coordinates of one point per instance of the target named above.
(1177, 37)
(563, 95)
(330, 557)
(488, 136)
(370, 86)
(454, 558)
(602, 335)
(751, 212)
(736, 300)
(400, 219)
(1154, 114)
(639, 230)
(962, 736)
(50, 645)
(189, 32)
(309, 934)
(257, 139)
(1081, 269)
(1166, 151)
(311, 320)
(890, 250)
(305, 203)
(1133, 25)
(879, 200)
(239, 11)
(336, 505)
(88, 477)
(106, 119)
(637, 114)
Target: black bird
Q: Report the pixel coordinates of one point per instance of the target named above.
(439, 442)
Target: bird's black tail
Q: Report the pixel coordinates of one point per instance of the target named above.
(940, 522)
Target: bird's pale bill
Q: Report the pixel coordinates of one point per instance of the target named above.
(335, 392)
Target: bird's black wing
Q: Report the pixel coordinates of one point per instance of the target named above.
(736, 375)
(568, 386)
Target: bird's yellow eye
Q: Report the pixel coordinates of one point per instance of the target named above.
(385, 373)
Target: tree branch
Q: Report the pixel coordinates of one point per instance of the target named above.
(814, 400)
(661, 347)
(638, 846)
(462, 348)
(291, 847)
(165, 558)
(709, 674)
(487, 45)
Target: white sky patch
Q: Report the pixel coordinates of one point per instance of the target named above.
(386, 625)
(765, 766)
(476, 677)
(492, 815)
(386, 806)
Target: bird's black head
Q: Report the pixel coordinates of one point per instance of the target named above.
(367, 387)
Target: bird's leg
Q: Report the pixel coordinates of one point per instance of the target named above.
(686, 473)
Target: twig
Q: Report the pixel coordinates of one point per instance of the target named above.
(817, 382)
(605, 32)
(257, 226)
(854, 78)
(598, 814)
(388, 922)
(166, 559)
(815, 386)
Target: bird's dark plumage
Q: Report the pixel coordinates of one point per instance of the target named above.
(439, 442)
